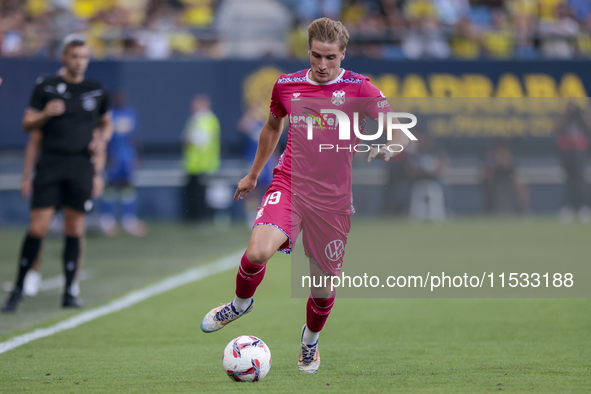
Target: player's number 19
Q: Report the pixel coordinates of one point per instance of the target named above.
(272, 198)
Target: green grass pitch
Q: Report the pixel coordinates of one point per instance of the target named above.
(368, 345)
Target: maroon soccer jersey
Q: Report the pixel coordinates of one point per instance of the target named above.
(323, 177)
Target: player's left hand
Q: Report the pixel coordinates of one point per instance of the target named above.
(245, 186)
(26, 188)
(379, 153)
(98, 186)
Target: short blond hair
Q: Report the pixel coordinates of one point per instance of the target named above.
(327, 30)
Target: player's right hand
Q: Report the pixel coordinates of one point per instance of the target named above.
(98, 186)
(55, 107)
(245, 186)
(26, 188)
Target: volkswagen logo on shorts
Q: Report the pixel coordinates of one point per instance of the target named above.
(334, 250)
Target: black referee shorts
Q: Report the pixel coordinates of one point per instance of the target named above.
(63, 180)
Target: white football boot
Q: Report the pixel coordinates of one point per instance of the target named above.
(309, 361)
(219, 317)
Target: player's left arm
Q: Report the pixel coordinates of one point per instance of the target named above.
(393, 147)
(98, 148)
(102, 134)
(100, 137)
(375, 102)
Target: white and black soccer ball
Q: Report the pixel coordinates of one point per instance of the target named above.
(246, 359)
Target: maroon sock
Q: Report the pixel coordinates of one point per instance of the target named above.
(249, 277)
(317, 311)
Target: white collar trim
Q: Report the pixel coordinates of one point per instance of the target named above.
(325, 83)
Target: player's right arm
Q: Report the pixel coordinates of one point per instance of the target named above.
(35, 119)
(31, 154)
(268, 141)
(41, 109)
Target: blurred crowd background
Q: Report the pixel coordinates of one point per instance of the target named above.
(222, 29)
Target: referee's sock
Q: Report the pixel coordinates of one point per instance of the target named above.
(71, 255)
(28, 255)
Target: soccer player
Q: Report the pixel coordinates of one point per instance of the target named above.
(73, 116)
(121, 163)
(302, 195)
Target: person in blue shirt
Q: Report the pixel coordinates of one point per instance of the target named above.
(122, 157)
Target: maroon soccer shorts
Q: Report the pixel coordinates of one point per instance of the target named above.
(324, 233)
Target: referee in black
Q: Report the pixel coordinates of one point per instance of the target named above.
(73, 115)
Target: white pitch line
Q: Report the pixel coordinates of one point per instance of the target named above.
(132, 298)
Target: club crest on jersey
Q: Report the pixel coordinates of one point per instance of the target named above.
(61, 88)
(296, 97)
(89, 103)
(338, 97)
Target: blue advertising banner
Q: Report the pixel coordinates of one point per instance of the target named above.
(161, 91)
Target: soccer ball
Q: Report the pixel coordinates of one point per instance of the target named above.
(246, 359)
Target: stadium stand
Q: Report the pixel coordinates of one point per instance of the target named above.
(391, 29)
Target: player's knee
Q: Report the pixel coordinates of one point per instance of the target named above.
(74, 228)
(38, 226)
(322, 292)
(37, 229)
(259, 254)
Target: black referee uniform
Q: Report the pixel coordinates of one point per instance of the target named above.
(64, 172)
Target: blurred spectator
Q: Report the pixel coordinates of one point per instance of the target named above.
(298, 40)
(413, 29)
(504, 192)
(452, 11)
(197, 13)
(122, 157)
(581, 9)
(547, 10)
(154, 39)
(523, 14)
(201, 139)
(424, 38)
(584, 40)
(353, 15)
(558, 32)
(572, 141)
(308, 10)
(498, 41)
(465, 41)
(11, 24)
(424, 166)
